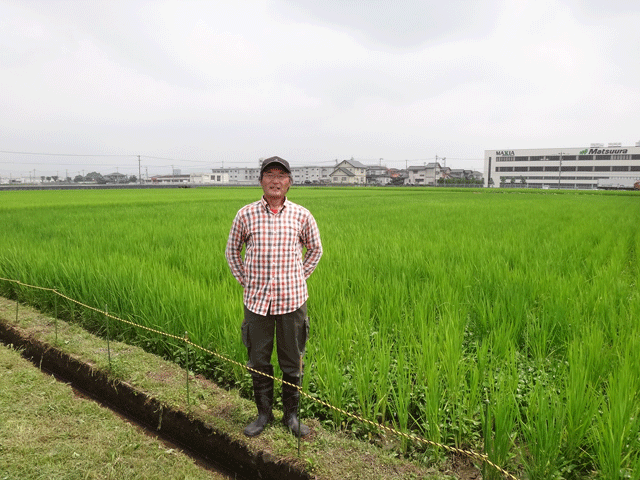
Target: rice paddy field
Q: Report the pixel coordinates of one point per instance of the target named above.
(505, 322)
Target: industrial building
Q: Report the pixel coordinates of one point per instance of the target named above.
(582, 168)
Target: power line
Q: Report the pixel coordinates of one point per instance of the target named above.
(68, 154)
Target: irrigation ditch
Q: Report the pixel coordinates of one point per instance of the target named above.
(195, 437)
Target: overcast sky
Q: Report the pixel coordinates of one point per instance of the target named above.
(194, 85)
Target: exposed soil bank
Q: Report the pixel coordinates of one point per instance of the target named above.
(192, 434)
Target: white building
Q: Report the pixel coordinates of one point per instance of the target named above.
(311, 174)
(572, 168)
(210, 178)
(170, 179)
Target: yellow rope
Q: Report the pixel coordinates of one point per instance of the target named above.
(474, 455)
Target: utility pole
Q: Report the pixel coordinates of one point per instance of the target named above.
(560, 169)
(435, 167)
(139, 172)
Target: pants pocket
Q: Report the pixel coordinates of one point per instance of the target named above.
(305, 332)
(245, 335)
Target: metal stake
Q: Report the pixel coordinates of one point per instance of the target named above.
(298, 412)
(55, 319)
(106, 313)
(186, 337)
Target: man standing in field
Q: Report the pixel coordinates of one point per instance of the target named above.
(273, 274)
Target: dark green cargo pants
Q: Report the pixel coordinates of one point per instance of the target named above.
(291, 332)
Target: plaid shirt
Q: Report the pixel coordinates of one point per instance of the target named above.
(273, 272)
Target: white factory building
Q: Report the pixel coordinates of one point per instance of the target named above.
(586, 167)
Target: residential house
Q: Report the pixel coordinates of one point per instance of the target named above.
(116, 178)
(424, 175)
(378, 175)
(349, 172)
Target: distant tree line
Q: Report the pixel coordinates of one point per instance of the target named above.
(99, 178)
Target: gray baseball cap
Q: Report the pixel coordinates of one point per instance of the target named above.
(275, 161)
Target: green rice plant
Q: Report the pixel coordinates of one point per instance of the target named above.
(500, 417)
(476, 371)
(452, 367)
(430, 390)
(542, 427)
(401, 395)
(617, 427)
(581, 401)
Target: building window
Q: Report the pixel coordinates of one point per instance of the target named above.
(553, 157)
(536, 169)
(585, 157)
(585, 169)
(535, 158)
(635, 168)
(601, 168)
(569, 157)
(620, 157)
(603, 157)
(551, 169)
(620, 168)
(568, 169)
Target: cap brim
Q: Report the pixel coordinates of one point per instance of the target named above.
(276, 164)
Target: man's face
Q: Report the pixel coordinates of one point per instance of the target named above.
(275, 182)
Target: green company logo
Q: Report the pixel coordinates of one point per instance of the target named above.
(583, 152)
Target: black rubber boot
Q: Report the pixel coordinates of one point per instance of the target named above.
(263, 393)
(290, 399)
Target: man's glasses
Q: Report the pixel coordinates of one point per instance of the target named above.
(275, 176)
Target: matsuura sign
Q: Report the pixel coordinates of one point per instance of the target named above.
(603, 151)
(505, 153)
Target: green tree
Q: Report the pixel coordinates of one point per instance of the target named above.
(95, 177)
